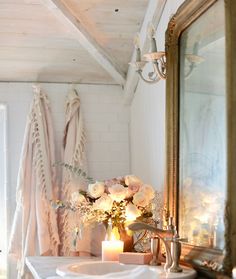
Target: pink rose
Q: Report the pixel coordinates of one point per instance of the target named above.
(134, 188)
(117, 192)
(131, 190)
(132, 180)
(110, 182)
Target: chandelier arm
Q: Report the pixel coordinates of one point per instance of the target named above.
(159, 72)
(150, 81)
(163, 61)
(188, 74)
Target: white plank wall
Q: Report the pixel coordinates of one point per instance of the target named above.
(147, 128)
(106, 122)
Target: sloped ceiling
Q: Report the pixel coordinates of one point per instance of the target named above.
(85, 41)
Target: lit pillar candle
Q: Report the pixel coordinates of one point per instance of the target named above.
(234, 272)
(111, 250)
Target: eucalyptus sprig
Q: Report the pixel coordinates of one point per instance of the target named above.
(75, 170)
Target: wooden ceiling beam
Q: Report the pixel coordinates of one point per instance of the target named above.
(153, 15)
(86, 40)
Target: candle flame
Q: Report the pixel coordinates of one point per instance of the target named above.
(113, 237)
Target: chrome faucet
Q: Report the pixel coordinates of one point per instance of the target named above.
(162, 234)
(173, 254)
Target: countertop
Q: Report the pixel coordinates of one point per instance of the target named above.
(44, 267)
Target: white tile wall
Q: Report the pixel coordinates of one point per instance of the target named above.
(106, 121)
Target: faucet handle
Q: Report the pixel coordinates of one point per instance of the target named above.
(176, 252)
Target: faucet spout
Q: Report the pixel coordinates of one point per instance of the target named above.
(138, 226)
(162, 234)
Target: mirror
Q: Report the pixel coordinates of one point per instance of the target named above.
(202, 126)
(200, 186)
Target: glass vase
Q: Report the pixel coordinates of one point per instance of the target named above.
(119, 232)
(127, 238)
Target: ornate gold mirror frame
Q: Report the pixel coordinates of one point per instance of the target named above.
(207, 260)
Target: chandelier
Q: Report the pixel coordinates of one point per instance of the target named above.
(156, 58)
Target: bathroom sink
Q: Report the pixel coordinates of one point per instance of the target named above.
(101, 269)
(94, 268)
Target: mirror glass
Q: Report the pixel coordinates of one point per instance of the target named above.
(202, 138)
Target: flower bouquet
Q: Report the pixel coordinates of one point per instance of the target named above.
(117, 202)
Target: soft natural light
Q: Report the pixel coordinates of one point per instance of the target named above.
(3, 258)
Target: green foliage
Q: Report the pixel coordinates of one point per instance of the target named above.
(75, 170)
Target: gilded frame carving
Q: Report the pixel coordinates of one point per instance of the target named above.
(206, 260)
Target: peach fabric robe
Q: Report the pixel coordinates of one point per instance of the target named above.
(74, 153)
(34, 231)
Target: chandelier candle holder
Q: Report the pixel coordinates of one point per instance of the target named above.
(156, 58)
(192, 60)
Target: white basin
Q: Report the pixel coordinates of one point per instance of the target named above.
(93, 268)
(100, 269)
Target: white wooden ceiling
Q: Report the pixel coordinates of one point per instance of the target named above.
(85, 41)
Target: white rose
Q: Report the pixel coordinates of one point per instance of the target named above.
(96, 190)
(148, 190)
(77, 198)
(132, 180)
(131, 212)
(104, 203)
(118, 192)
(141, 199)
